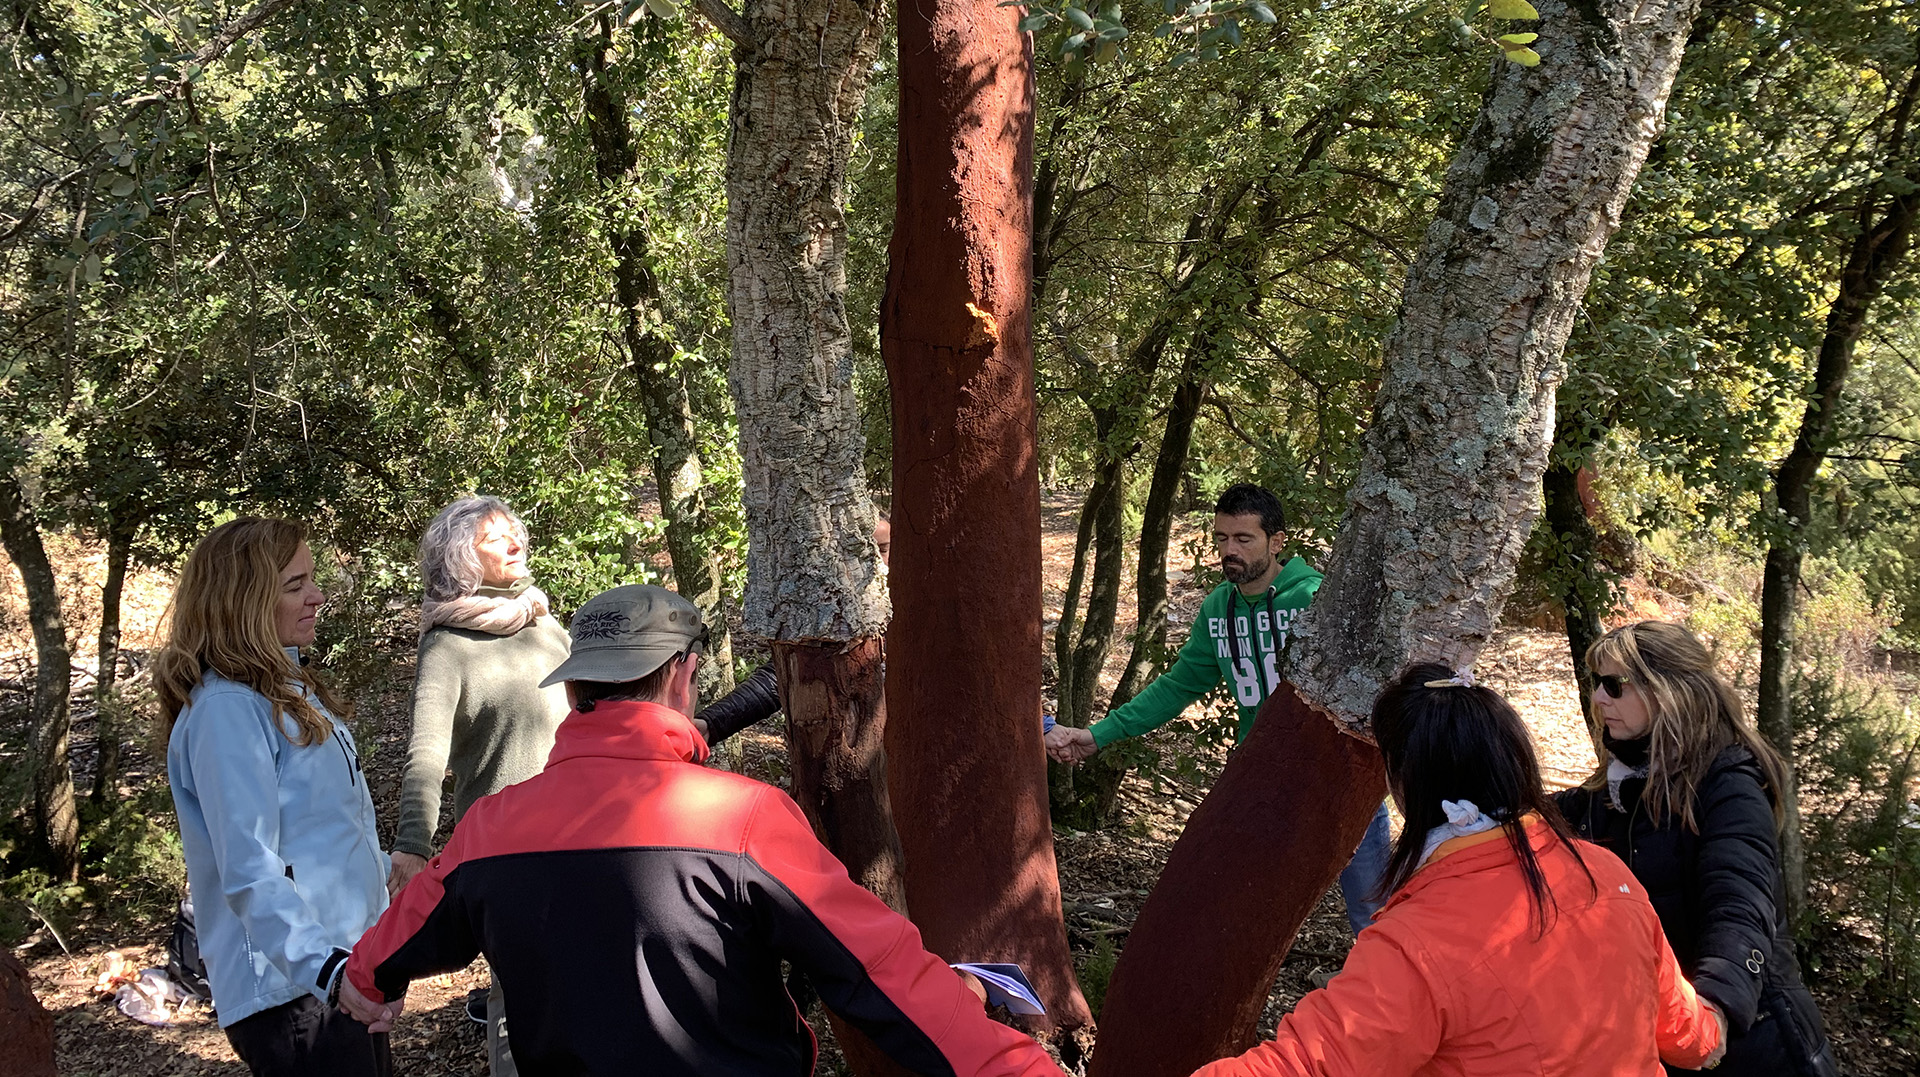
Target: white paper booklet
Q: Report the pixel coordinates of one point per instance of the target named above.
(1007, 986)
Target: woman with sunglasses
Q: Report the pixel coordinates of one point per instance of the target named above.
(1505, 948)
(1687, 793)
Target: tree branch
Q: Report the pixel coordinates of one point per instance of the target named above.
(726, 20)
(214, 49)
(1232, 425)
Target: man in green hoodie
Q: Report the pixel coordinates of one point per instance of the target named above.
(1243, 627)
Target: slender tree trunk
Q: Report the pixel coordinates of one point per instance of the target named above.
(1576, 569)
(1095, 636)
(1884, 230)
(813, 585)
(1448, 490)
(968, 778)
(1087, 796)
(106, 700)
(663, 392)
(56, 823)
(1149, 655)
(1066, 634)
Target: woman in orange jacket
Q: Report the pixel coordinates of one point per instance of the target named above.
(1506, 946)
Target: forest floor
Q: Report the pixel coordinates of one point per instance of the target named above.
(1105, 875)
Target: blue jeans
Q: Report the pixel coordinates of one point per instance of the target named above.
(1363, 873)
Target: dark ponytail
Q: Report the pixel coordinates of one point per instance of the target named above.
(1462, 743)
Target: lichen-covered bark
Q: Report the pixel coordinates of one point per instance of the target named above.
(814, 571)
(814, 589)
(1448, 488)
(1450, 477)
(966, 767)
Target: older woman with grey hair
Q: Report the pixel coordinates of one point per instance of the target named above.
(487, 640)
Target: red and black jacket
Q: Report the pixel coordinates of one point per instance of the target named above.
(636, 907)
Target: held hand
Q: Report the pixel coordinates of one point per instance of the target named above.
(1067, 744)
(1719, 1052)
(974, 985)
(377, 1016)
(405, 867)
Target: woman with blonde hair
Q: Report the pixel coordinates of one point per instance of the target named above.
(275, 818)
(1688, 794)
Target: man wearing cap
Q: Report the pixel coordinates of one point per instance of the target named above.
(637, 906)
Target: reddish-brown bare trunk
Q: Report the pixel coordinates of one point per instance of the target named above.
(966, 769)
(1257, 854)
(832, 694)
(834, 698)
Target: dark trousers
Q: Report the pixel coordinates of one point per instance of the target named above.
(303, 1038)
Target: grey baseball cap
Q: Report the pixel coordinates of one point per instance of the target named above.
(628, 632)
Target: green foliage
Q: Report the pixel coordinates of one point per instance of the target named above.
(352, 268)
(1249, 220)
(132, 873)
(1864, 501)
(1859, 779)
(1690, 364)
(1096, 972)
(360, 267)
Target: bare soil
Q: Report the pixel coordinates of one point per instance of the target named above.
(1105, 875)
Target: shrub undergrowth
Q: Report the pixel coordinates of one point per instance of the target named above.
(1858, 760)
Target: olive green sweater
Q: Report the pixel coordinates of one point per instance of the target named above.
(477, 708)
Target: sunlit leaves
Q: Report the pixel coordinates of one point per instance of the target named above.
(1514, 46)
(1088, 34)
(1511, 9)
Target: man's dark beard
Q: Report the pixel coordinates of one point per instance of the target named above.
(1238, 573)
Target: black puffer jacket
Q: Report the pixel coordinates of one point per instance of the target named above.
(752, 701)
(1719, 894)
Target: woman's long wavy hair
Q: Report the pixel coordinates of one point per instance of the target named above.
(1463, 743)
(1696, 716)
(222, 619)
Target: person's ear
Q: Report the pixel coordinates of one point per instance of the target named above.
(683, 680)
(1275, 543)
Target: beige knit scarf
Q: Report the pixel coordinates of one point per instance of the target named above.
(501, 611)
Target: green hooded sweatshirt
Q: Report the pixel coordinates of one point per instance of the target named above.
(1245, 656)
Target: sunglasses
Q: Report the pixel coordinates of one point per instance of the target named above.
(1613, 684)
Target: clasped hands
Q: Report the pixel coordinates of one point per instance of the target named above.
(1070, 745)
(377, 1016)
